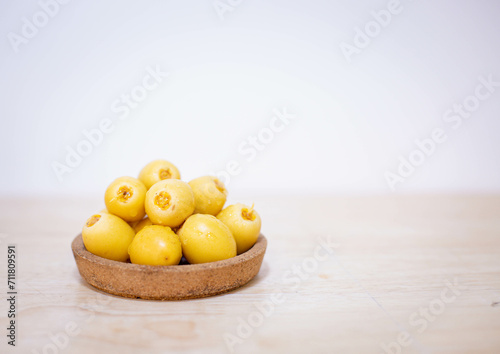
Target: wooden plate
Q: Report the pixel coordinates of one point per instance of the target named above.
(168, 282)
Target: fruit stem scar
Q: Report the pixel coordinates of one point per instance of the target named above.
(165, 174)
(124, 193)
(248, 215)
(219, 186)
(162, 200)
(93, 219)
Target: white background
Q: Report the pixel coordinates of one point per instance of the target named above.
(353, 119)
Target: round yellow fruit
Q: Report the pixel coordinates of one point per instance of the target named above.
(205, 239)
(244, 223)
(155, 245)
(107, 236)
(125, 197)
(169, 202)
(142, 224)
(209, 194)
(157, 171)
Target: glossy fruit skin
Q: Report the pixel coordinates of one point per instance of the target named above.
(157, 246)
(205, 239)
(158, 170)
(169, 202)
(107, 236)
(142, 224)
(125, 197)
(210, 195)
(238, 218)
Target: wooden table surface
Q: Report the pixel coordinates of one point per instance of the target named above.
(341, 275)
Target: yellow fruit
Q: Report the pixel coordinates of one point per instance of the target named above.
(244, 223)
(107, 236)
(205, 239)
(125, 198)
(155, 245)
(209, 194)
(142, 224)
(158, 170)
(169, 202)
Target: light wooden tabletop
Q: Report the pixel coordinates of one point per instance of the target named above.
(341, 275)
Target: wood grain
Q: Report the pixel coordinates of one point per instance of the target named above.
(389, 259)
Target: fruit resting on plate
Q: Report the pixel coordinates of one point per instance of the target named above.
(157, 219)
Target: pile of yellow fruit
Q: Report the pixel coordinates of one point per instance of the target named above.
(156, 219)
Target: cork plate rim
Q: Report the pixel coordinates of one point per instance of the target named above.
(231, 282)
